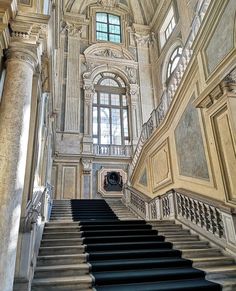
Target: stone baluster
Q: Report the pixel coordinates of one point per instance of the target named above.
(14, 133)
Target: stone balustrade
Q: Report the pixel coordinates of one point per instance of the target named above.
(209, 218)
(112, 150)
(157, 116)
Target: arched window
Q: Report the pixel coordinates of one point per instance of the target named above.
(110, 111)
(173, 61)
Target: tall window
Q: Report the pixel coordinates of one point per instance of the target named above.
(110, 111)
(167, 26)
(108, 27)
(173, 61)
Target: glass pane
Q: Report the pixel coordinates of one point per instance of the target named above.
(124, 100)
(102, 36)
(105, 125)
(109, 82)
(116, 126)
(121, 82)
(113, 19)
(115, 99)
(95, 98)
(125, 123)
(101, 27)
(114, 38)
(104, 98)
(95, 121)
(114, 29)
(95, 140)
(175, 63)
(101, 17)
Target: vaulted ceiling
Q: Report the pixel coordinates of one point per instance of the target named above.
(142, 11)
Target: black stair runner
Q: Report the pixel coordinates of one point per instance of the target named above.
(130, 256)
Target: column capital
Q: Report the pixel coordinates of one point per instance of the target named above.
(133, 89)
(87, 165)
(25, 53)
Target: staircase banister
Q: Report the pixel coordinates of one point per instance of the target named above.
(139, 193)
(210, 201)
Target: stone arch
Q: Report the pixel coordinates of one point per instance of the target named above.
(166, 61)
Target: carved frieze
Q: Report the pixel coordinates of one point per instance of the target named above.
(87, 165)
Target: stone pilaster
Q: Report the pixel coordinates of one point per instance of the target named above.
(14, 134)
(135, 113)
(88, 117)
(72, 106)
(86, 178)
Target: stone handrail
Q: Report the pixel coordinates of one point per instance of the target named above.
(208, 217)
(157, 116)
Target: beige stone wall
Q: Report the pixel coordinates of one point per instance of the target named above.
(210, 172)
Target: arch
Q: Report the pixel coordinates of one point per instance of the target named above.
(174, 46)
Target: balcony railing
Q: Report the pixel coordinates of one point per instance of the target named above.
(112, 150)
(158, 114)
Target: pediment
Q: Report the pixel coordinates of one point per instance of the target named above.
(110, 51)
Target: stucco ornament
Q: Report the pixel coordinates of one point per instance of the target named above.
(87, 165)
(108, 3)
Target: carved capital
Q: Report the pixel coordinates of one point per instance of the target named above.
(87, 165)
(133, 90)
(132, 74)
(25, 53)
(143, 40)
(73, 29)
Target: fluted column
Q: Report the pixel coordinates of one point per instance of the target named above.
(14, 133)
(72, 106)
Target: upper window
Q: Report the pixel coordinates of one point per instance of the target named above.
(173, 61)
(167, 26)
(108, 27)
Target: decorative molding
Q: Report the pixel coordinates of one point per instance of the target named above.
(109, 4)
(132, 74)
(73, 29)
(87, 165)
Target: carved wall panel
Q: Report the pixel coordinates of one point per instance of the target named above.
(222, 41)
(189, 145)
(227, 151)
(69, 181)
(161, 167)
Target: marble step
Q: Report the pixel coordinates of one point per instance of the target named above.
(76, 283)
(220, 272)
(71, 270)
(52, 260)
(191, 245)
(62, 242)
(212, 261)
(63, 229)
(61, 235)
(198, 253)
(61, 250)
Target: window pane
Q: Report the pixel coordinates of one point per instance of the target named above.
(102, 36)
(95, 121)
(175, 63)
(105, 126)
(101, 27)
(125, 123)
(114, 29)
(113, 19)
(115, 99)
(95, 98)
(101, 17)
(114, 38)
(116, 126)
(104, 98)
(124, 100)
(109, 82)
(95, 140)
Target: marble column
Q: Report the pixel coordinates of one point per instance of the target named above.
(14, 134)
(72, 106)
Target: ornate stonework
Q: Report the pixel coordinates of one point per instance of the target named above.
(87, 165)
(108, 3)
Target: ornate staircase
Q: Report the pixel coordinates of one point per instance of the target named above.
(86, 246)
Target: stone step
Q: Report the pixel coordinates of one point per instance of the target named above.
(220, 272)
(174, 232)
(62, 242)
(81, 283)
(61, 250)
(169, 228)
(63, 229)
(198, 253)
(191, 245)
(212, 261)
(61, 235)
(183, 238)
(228, 284)
(52, 260)
(62, 223)
(61, 271)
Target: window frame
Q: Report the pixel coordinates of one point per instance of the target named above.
(169, 70)
(121, 91)
(108, 24)
(168, 26)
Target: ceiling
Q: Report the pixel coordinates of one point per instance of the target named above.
(142, 11)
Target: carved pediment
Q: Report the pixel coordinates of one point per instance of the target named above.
(110, 51)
